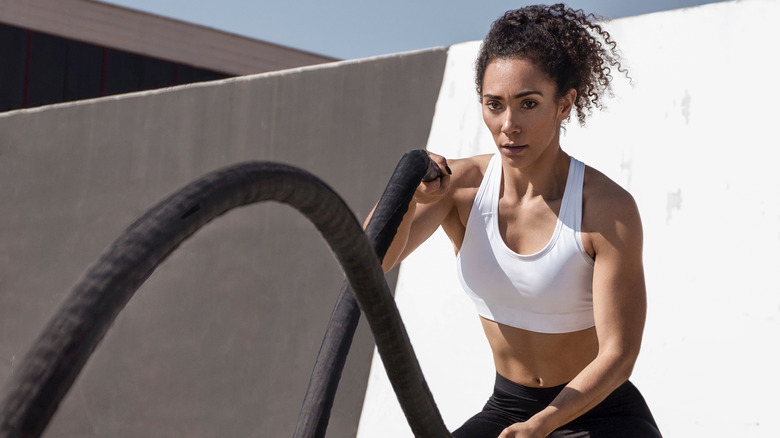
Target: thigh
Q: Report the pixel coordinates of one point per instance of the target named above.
(500, 411)
(620, 427)
(623, 413)
(510, 403)
(480, 426)
(484, 425)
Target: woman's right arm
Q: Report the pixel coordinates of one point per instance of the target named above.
(429, 207)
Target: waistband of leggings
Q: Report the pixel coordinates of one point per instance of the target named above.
(541, 395)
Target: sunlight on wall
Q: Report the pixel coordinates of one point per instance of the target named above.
(693, 139)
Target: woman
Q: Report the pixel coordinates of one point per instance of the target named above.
(550, 250)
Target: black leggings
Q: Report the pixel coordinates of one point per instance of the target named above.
(622, 414)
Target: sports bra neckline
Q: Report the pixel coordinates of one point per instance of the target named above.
(567, 193)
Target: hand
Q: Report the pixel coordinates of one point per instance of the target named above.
(521, 430)
(432, 191)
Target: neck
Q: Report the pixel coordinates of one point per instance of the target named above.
(546, 177)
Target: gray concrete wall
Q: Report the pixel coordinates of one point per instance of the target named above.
(221, 340)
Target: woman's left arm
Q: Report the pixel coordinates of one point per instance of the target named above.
(619, 306)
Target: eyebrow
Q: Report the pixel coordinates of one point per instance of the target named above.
(516, 96)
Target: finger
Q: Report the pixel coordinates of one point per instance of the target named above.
(433, 172)
(436, 186)
(441, 162)
(444, 183)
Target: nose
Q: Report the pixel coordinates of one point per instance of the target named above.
(511, 124)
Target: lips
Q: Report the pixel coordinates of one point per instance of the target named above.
(513, 149)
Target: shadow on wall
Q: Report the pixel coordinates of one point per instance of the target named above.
(221, 341)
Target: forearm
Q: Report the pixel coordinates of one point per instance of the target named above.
(396, 249)
(589, 388)
(420, 221)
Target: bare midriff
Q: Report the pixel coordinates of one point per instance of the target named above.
(539, 360)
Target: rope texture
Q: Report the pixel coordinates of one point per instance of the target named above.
(48, 370)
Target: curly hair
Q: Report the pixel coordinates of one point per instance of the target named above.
(567, 44)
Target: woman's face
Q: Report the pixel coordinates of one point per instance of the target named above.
(521, 109)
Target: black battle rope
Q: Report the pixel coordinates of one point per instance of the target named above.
(315, 412)
(55, 359)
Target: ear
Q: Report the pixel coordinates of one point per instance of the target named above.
(566, 103)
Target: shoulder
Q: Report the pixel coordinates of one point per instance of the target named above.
(467, 175)
(610, 215)
(603, 192)
(468, 172)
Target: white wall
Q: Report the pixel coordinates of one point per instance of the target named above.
(694, 141)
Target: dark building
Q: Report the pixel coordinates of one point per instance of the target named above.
(63, 50)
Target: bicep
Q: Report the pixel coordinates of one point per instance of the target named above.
(619, 294)
(427, 218)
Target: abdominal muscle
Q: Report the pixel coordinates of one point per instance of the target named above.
(539, 360)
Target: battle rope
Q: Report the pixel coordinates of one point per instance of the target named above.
(48, 370)
(315, 412)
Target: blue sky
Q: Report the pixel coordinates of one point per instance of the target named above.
(349, 29)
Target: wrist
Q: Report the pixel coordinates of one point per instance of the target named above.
(542, 423)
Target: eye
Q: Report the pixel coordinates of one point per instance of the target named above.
(528, 104)
(493, 105)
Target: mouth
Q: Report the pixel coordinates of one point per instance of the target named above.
(513, 149)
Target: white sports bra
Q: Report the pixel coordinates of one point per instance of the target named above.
(550, 291)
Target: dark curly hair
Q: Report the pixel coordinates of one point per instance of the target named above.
(567, 44)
